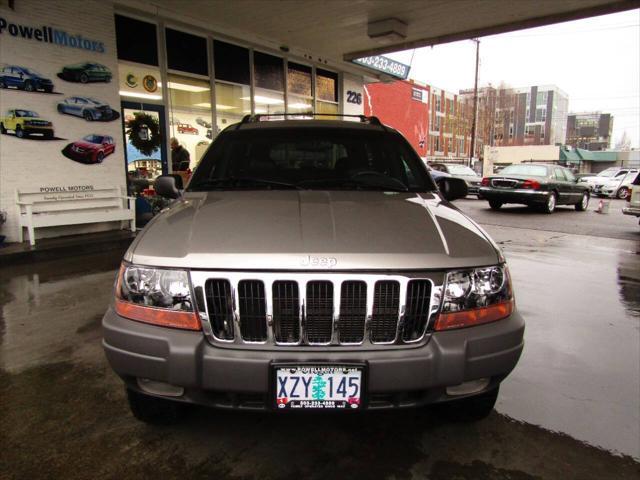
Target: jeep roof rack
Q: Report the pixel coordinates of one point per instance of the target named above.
(257, 117)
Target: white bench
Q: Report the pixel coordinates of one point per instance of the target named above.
(37, 208)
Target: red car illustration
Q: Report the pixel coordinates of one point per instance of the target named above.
(187, 128)
(91, 149)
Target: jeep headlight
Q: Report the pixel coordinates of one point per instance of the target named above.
(475, 296)
(156, 295)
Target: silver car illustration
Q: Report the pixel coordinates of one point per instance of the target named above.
(88, 108)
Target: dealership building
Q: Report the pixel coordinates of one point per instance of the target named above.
(92, 92)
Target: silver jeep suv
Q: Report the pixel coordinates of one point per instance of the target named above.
(312, 264)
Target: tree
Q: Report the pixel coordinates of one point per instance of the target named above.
(624, 144)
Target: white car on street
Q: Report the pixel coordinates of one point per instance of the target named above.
(608, 174)
(633, 207)
(617, 186)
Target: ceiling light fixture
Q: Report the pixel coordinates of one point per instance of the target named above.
(387, 31)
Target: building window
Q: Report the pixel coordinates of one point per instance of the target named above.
(269, 81)
(541, 114)
(190, 114)
(299, 89)
(231, 63)
(437, 100)
(541, 98)
(326, 91)
(186, 52)
(437, 144)
(232, 103)
(136, 40)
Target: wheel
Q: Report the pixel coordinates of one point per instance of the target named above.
(84, 78)
(480, 197)
(48, 135)
(48, 89)
(19, 132)
(28, 87)
(471, 409)
(87, 116)
(154, 410)
(582, 205)
(2, 129)
(623, 193)
(495, 205)
(2, 84)
(100, 157)
(60, 109)
(550, 206)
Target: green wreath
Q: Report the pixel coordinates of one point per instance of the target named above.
(143, 131)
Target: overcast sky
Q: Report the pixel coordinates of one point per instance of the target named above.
(595, 61)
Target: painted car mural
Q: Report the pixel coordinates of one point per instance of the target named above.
(88, 108)
(23, 78)
(86, 72)
(91, 149)
(25, 123)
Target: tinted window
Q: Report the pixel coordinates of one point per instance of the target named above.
(187, 53)
(136, 40)
(231, 62)
(268, 71)
(570, 176)
(534, 170)
(559, 174)
(308, 158)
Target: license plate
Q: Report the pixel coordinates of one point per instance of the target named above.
(318, 387)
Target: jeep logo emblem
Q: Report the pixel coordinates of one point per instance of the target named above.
(324, 262)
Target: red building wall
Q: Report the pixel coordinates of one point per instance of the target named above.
(398, 105)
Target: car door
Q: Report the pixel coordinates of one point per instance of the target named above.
(560, 180)
(10, 120)
(14, 77)
(575, 189)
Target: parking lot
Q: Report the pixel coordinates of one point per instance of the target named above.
(571, 408)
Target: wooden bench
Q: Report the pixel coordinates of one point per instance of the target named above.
(73, 206)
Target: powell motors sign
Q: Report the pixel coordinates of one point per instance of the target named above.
(47, 34)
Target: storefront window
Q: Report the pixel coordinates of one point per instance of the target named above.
(136, 40)
(300, 94)
(326, 92)
(231, 63)
(189, 117)
(186, 52)
(268, 71)
(268, 101)
(232, 103)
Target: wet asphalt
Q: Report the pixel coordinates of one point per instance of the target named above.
(570, 409)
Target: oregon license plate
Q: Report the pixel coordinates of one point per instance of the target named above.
(318, 387)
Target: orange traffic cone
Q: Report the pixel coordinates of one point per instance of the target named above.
(603, 206)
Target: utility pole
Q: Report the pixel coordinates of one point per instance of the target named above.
(475, 104)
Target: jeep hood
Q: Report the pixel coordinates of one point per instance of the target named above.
(292, 229)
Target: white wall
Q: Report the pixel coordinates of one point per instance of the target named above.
(511, 155)
(34, 163)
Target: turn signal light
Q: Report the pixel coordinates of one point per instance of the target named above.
(485, 182)
(158, 316)
(476, 316)
(531, 184)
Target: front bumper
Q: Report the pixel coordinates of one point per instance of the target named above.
(37, 129)
(240, 378)
(631, 211)
(517, 195)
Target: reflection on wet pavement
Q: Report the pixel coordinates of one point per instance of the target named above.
(578, 376)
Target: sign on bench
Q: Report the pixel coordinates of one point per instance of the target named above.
(58, 206)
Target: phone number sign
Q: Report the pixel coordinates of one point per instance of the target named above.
(385, 65)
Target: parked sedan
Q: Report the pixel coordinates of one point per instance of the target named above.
(86, 72)
(88, 108)
(633, 207)
(616, 186)
(463, 172)
(22, 78)
(91, 149)
(535, 185)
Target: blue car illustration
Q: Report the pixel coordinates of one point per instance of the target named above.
(88, 108)
(23, 78)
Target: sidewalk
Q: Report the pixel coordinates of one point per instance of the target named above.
(72, 245)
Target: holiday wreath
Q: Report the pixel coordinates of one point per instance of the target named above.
(143, 131)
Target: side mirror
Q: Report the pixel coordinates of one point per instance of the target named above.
(453, 188)
(166, 186)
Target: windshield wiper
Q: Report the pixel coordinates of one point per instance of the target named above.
(347, 183)
(240, 182)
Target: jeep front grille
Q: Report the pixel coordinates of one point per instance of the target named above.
(330, 309)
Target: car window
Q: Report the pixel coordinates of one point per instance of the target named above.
(559, 174)
(313, 158)
(570, 176)
(460, 170)
(523, 169)
(621, 173)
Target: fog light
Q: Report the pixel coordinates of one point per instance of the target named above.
(159, 388)
(467, 388)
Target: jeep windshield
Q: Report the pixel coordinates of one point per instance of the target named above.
(26, 113)
(311, 159)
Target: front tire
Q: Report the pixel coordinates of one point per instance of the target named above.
(99, 157)
(84, 78)
(552, 201)
(154, 410)
(495, 205)
(87, 116)
(2, 129)
(582, 205)
(28, 87)
(623, 193)
(20, 132)
(2, 84)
